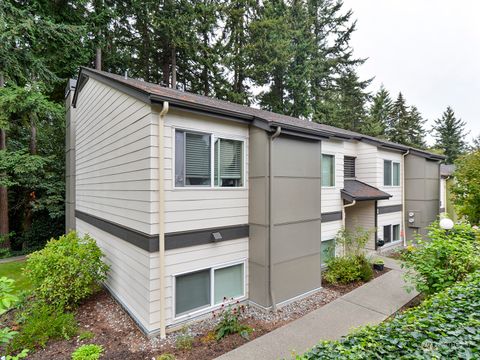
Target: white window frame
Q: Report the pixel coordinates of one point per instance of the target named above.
(392, 241)
(213, 306)
(391, 173)
(213, 136)
(334, 171)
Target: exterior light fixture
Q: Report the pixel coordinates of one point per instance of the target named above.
(446, 224)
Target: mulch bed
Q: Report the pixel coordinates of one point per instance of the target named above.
(122, 339)
(346, 288)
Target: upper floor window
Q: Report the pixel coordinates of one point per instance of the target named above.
(391, 173)
(194, 155)
(348, 167)
(328, 170)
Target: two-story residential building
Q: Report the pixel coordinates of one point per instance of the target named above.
(194, 200)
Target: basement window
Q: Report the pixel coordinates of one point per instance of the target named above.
(204, 289)
(391, 233)
(328, 251)
(199, 164)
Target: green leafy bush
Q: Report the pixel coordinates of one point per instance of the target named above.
(42, 322)
(443, 259)
(184, 340)
(86, 335)
(67, 270)
(7, 301)
(230, 322)
(445, 326)
(88, 352)
(347, 269)
(166, 357)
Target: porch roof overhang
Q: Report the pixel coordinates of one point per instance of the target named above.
(360, 191)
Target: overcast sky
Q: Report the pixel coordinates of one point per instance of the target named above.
(427, 49)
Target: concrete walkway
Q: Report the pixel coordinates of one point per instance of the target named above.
(369, 304)
(12, 259)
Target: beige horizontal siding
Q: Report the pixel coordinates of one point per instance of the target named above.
(116, 158)
(197, 208)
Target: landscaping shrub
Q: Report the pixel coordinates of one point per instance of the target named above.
(347, 269)
(230, 323)
(443, 259)
(184, 340)
(42, 322)
(166, 357)
(67, 270)
(88, 352)
(445, 326)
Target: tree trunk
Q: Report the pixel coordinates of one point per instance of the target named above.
(4, 225)
(206, 85)
(166, 66)
(98, 57)
(30, 195)
(174, 67)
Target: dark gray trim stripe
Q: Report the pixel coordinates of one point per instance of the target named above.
(442, 209)
(204, 236)
(331, 216)
(140, 239)
(174, 240)
(389, 209)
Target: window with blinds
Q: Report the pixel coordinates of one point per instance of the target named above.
(193, 158)
(228, 163)
(349, 167)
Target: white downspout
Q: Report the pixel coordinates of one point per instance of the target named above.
(344, 221)
(404, 222)
(161, 215)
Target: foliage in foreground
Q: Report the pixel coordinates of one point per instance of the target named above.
(447, 325)
(353, 265)
(88, 352)
(445, 258)
(42, 322)
(466, 187)
(67, 270)
(230, 322)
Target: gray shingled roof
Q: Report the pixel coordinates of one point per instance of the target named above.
(162, 93)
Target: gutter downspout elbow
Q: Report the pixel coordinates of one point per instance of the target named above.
(404, 221)
(161, 217)
(270, 212)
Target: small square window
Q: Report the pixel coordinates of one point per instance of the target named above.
(228, 283)
(192, 291)
(228, 163)
(192, 159)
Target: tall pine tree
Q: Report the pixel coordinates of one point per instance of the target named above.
(449, 133)
(379, 114)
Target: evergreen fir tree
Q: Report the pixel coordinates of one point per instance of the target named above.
(379, 114)
(397, 129)
(449, 133)
(416, 130)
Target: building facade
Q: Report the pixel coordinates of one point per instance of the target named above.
(195, 200)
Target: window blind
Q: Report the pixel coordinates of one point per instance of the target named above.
(197, 157)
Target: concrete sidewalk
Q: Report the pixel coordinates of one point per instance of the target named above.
(369, 304)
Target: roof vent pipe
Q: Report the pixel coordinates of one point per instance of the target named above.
(270, 212)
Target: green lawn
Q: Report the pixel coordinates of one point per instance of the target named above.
(13, 270)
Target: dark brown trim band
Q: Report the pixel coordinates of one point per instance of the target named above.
(140, 239)
(205, 236)
(389, 209)
(331, 216)
(174, 240)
